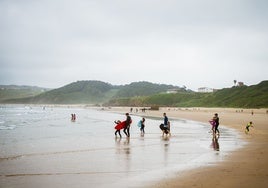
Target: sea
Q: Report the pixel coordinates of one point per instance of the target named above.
(42, 147)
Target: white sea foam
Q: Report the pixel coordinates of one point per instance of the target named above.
(7, 127)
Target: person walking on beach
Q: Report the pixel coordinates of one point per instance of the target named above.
(73, 117)
(213, 123)
(165, 127)
(127, 126)
(117, 130)
(142, 123)
(250, 124)
(216, 119)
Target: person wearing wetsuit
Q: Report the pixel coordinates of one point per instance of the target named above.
(118, 130)
(165, 127)
(127, 126)
(217, 122)
(250, 124)
(142, 126)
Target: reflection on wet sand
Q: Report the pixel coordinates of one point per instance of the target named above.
(215, 143)
(166, 149)
(122, 146)
(127, 148)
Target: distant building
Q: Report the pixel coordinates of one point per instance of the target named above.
(240, 83)
(205, 90)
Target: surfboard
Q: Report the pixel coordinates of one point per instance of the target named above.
(120, 125)
(163, 128)
(139, 124)
(212, 122)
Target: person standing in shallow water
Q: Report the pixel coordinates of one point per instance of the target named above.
(142, 122)
(73, 117)
(127, 126)
(216, 119)
(165, 127)
(118, 130)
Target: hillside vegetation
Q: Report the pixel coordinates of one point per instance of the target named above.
(14, 92)
(255, 96)
(144, 89)
(93, 92)
(147, 94)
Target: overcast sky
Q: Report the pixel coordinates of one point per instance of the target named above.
(196, 43)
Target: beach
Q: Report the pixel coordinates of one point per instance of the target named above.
(41, 147)
(246, 167)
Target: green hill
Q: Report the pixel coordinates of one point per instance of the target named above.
(144, 89)
(88, 92)
(93, 92)
(140, 94)
(255, 96)
(246, 96)
(12, 91)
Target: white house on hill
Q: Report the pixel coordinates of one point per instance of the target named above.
(205, 90)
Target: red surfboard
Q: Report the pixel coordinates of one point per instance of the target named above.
(120, 125)
(212, 122)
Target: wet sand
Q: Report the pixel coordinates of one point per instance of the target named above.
(52, 151)
(44, 148)
(246, 167)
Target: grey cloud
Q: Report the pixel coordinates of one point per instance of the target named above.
(106, 37)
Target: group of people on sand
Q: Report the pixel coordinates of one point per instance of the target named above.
(215, 121)
(165, 127)
(125, 125)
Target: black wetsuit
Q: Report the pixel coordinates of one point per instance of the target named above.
(142, 127)
(216, 119)
(126, 129)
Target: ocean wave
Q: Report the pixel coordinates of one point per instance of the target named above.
(7, 127)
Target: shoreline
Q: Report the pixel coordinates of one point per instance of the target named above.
(246, 167)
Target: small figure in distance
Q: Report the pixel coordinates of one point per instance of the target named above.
(213, 124)
(117, 130)
(250, 124)
(142, 124)
(166, 126)
(217, 122)
(73, 118)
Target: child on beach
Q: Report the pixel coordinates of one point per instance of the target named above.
(117, 130)
(213, 124)
(250, 124)
(142, 125)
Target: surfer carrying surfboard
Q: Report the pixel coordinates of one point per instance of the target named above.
(166, 126)
(250, 124)
(127, 125)
(117, 130)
